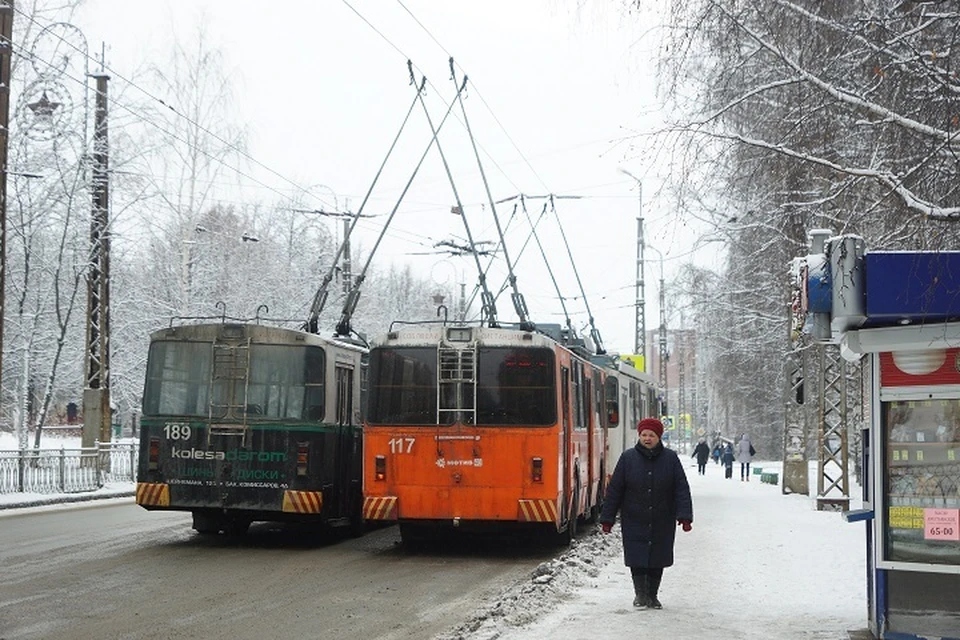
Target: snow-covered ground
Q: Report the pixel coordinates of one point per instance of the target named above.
(758, 565)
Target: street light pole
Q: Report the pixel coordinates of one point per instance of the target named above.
(640, 320)
(662, 359)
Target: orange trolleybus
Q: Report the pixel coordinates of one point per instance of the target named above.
(482, 429)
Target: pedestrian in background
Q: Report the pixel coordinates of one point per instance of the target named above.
(745, 453)
(702, 454)
(650, 491)
(727, 458)
(717, 452)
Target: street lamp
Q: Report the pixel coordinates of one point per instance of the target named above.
(662, 338)
(640, 321)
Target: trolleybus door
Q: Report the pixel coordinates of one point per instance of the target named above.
(347, 460)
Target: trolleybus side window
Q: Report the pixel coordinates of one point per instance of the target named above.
(178, 379)
(611, 387)
(286, 382)
(403, 386)
(579, 411)
(515, 386)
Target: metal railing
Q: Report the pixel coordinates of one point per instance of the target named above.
(67, 470)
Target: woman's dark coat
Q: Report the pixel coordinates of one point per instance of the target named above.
(702, 452)
(650, 490)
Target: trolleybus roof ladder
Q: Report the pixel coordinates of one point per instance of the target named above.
(231, 365)
(458, 375)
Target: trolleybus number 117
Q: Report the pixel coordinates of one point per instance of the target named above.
(401, 445)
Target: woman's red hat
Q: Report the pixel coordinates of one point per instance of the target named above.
(651, 424)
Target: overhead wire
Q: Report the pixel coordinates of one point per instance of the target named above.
(422, 240)
(113, 72)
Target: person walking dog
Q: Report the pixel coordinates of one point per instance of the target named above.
(650, 491)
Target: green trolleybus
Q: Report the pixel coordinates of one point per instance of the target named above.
(244, 422)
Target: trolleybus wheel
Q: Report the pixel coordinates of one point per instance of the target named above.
(236, 527)
(567, 536)
(413, 536)
(357, 525)
(206, 523)
(598, 505)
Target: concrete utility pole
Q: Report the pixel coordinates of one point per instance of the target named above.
(6, 47)
(96, 394)
(795, 471)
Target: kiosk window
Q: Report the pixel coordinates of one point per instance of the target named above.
(922, 478)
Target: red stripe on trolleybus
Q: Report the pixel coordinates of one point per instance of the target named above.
(153, 494)
(380, 508)
(302, 501)
(538, 511)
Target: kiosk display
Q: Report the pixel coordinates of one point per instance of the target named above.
(923, 480)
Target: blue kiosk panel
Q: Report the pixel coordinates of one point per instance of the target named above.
(909, 286)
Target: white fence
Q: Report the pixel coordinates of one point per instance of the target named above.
(67, 470)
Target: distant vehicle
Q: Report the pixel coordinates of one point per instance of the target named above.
(483, 429)
(244, 422)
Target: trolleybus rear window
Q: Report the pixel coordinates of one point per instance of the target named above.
(515, 386)
(403, 386)
(278, 382)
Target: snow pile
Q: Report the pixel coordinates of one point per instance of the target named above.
(550, 584)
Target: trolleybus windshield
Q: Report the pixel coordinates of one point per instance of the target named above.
(278, 382)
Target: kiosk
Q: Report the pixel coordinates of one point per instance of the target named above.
(900, 312)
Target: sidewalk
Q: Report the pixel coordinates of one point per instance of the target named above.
(24, 500)
(758, 565)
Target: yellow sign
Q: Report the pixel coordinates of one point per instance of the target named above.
(638, 362)
(905, 517)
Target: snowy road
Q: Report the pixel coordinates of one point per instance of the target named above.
(104, 571)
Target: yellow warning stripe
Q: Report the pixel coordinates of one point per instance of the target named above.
(380, 508)
(153, 494)
(537, 511)
(302, 501)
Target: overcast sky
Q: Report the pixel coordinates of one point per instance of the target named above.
(555, 98)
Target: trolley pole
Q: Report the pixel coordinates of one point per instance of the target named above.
(96, 394)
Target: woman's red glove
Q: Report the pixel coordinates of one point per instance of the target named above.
(606, 526)
(686, 524)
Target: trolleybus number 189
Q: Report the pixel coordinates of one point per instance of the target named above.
(176, 431)
(401, 445)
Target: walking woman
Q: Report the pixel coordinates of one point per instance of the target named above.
(745, 453)
(650, 491)
(702, 454)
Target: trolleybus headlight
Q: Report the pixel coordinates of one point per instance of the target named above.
(302, 450)
(380, 468)
(153, 461)
(537, 470)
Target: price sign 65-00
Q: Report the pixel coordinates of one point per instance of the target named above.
(940, 532)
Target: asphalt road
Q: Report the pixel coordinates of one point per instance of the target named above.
(112, 570)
